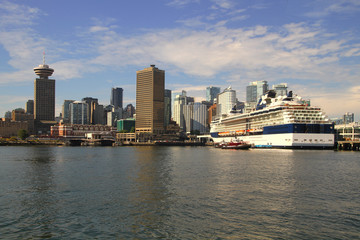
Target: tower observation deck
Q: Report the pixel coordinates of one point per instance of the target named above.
(43, 70)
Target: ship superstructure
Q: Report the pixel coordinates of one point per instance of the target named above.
(282, 122)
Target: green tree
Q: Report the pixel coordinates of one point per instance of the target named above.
(132, 130)
(123, 131)
(22, 134)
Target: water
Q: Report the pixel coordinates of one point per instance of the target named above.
(178, 193)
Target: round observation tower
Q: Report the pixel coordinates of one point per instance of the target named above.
(43, 70)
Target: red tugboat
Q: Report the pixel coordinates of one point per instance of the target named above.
(236, 145)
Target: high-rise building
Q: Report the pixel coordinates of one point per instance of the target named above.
(113, 116)
(92, 104)
(188, 117)
(66, 110)
(255, 90)
(167, 107)
(78, 112)
(117, 97)
(174, 94)
(150, 86)
(280, 89)
(211, 93)
(44, 94)
(7, 115)
(200, 117)
(226, 101)
(348, 118)
(178, 110)
(129, 111)
(29, 107)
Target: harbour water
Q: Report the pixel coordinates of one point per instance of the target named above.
(178, 193)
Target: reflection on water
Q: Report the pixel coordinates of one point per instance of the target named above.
(178, 193)
(151, 197)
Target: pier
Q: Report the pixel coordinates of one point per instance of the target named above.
(348, 145)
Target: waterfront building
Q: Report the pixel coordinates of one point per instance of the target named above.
(80, 130)
(150, 86)
(19, 115)
(226, 102)
(10, 128)
(66, 110)
(117, 97)
(167, 107)
(280, 89)
(29, 107)
(125, 124)
(255, 90)
(44, 99)
(211, 93)
(348, 118)
(78, 112)
(348, 132)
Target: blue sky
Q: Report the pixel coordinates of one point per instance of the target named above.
(314, 46)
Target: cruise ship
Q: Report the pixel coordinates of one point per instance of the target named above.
(278, 122)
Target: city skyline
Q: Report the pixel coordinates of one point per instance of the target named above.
(313, 46)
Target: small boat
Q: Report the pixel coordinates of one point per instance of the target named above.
(236, 145)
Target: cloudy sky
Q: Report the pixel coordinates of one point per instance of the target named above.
(314, 46)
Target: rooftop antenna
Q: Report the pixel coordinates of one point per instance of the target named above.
(43, 57)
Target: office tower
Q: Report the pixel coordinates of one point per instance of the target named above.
(173, 96)
(167, 107)
(79, 112)
(226, 102)
(348, 118)
(44, 94)
(255, 90)
(129, 111)
(98, 114)
(211, 93)
(7, 115)
(29, 107)
(150, 86)
(117, 97)
(66, 110)
(113, 116)
(178, 110)
(91, 105)
(200, 117)
(280, 89)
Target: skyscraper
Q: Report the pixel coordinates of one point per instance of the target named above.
(29, 107)
(255, 90)
(280, 89)
(150, 86)
(66, 110)
(211, 93)
(44, 94)
(117, 97)
(226, 101)
(167, 106)
(78, 112)
(92, 104)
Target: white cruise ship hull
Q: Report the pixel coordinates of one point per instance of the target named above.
(285, 140)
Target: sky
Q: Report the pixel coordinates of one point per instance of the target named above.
(313, 45)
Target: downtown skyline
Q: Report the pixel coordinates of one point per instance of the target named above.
(313, 46)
